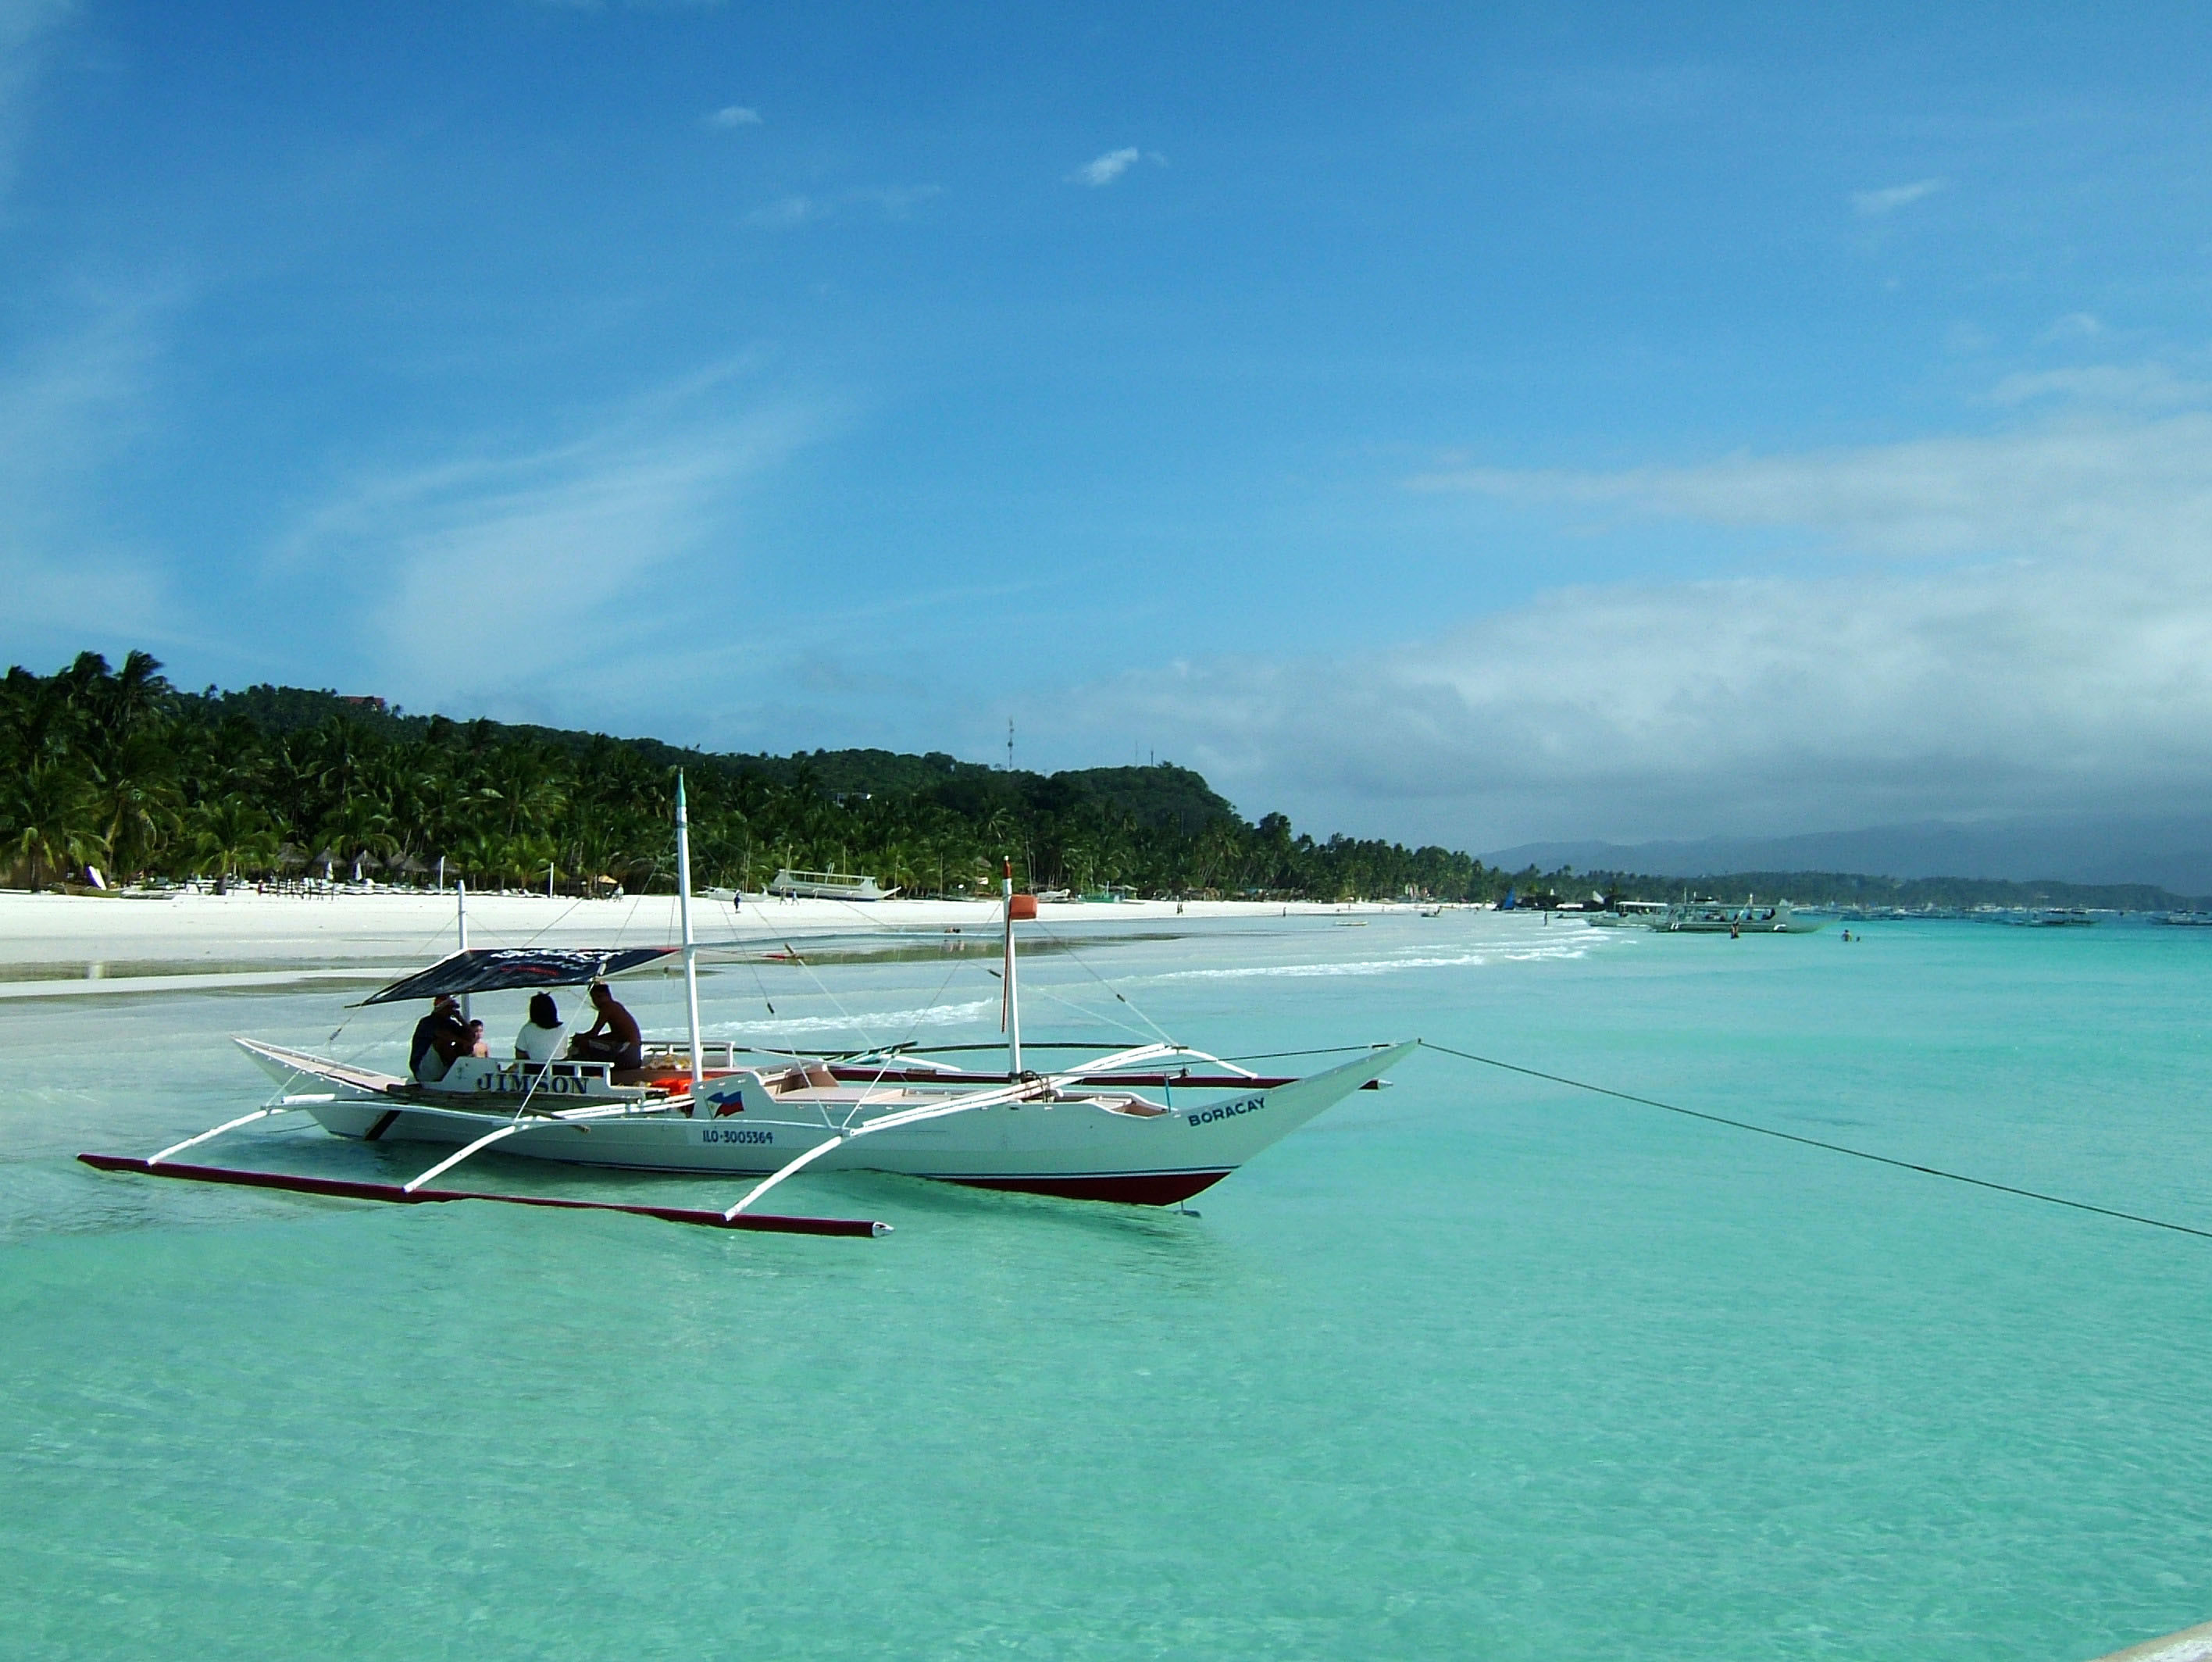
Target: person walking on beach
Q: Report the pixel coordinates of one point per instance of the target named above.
(615, 1037)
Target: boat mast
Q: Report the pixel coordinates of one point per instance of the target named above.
(1012, 1013)
(461, 904)
(690, 945)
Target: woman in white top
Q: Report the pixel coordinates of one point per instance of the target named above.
(540, 1038)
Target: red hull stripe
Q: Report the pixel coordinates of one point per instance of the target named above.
(1131, 1188)
(392, 1192)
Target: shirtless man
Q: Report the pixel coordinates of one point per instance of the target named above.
(613, 1038)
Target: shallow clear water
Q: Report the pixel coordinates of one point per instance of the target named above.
(1475, 1366)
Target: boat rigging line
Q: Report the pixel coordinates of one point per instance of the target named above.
(1817, 1142)
(1068, 947)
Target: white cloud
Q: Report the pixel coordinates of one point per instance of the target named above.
(731, 116)
(2049, 648)
(1872, 204)
(1106, 168)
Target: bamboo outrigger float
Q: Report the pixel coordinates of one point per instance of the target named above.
(1151, 1124)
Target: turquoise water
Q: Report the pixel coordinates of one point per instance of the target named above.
(1474, 1367)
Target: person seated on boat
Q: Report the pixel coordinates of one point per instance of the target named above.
(539, 1041)
(440, 1037)
(615, 1037)
(474, 1039)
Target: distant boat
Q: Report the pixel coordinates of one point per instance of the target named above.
(827, 886)
(1708, 917)
(1628, 914)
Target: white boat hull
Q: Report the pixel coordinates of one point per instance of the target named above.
(1076, 1149)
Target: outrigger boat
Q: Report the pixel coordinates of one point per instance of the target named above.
(1709, 917)
(827, 886)
(1151, 1124)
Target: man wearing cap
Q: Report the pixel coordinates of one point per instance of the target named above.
(438, 1038)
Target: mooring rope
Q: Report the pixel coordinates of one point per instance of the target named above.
(1832, 1148)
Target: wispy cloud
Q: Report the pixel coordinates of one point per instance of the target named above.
(785, 212)
(1105, 169)
(732, 116)
(497, 567)
(1872, 204)
(70, 407)
(2145, 385)
(2083, 485)
(2074, 326)
(894, 202)
(27, 28)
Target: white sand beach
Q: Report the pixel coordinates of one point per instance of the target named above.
(61, 944)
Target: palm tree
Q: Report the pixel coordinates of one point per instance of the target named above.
(46, 815)
(232, 835)
(135, 798)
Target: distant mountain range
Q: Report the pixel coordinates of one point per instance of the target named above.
(2173, 853)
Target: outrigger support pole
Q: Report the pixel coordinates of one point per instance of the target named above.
(227, 1125)
(1016, 1090)
(483, 1142)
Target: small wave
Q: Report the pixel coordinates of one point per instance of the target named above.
(1382, 966)
(879, 1024)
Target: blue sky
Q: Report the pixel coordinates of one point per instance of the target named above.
(1471, 423)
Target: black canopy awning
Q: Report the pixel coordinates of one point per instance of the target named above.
(501, 968)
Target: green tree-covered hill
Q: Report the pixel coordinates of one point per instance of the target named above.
(116, 767)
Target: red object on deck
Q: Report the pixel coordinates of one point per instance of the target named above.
(339, 1188)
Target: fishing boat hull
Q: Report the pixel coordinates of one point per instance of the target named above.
(1078, 1149)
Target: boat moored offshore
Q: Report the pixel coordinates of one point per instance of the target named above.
(1711, 916)
(1153, 1124)
(828, 886)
